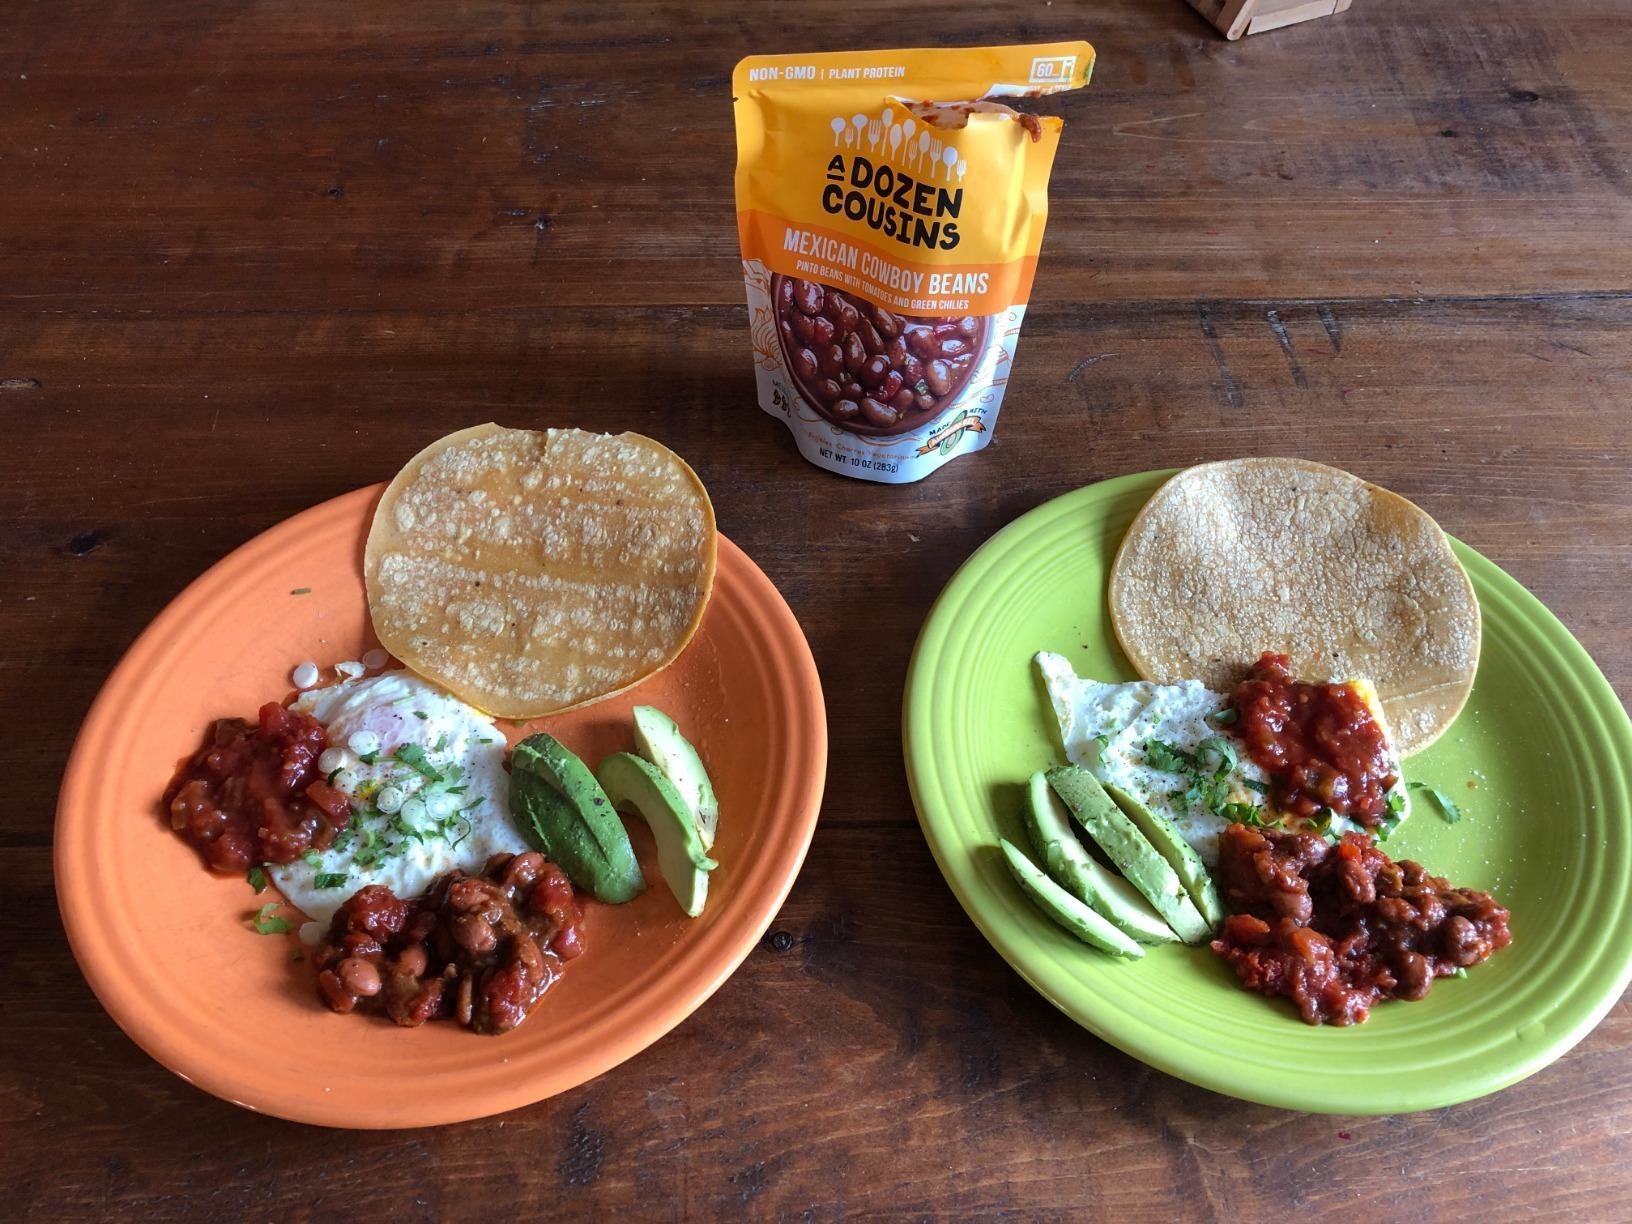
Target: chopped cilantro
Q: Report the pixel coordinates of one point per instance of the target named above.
(1225, 717)
(266, 924)
(372, 837)
(368, 758)
(1447, 808)
(413, 756)
(257, 878)
(333, 774)
(1253, 784)
(312, 858)
(1395, 805)
(441, 742)
(350, 831)
(370, 853)
(1217, 748)
(401, 826)
(1168, 758)
(1211, 791)
(1208, 773)
(1247, 814)
(421, 715)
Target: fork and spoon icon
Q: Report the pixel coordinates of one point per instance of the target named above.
(885, 136)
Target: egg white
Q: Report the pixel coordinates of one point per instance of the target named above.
(1104, 727)
(400, 709)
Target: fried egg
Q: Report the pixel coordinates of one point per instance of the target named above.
(1107, 728)
(425, 774)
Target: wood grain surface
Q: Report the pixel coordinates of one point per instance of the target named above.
(255, 255)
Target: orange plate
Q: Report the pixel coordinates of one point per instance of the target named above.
(167, 945)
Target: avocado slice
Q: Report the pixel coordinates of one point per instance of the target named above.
(1186, 863)
(1065, 909)
(1048, 824)
(563, 811)
(1134, 856)
(632, 783)
(658, 739)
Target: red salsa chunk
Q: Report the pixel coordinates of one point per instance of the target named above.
(479, 949)
(1339, 928)
(253, 792)
(1319, 744)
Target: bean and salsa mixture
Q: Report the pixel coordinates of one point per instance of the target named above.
(1339, 928)
(479, 949)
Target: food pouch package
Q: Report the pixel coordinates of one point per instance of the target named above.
(891, 213)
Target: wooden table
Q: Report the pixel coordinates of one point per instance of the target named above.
(252, 257)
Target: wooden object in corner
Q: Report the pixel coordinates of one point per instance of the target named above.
(1237, 17)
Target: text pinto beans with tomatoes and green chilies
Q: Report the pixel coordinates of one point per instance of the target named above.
(891, 214)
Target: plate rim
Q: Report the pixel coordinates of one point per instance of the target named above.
(800, 683)
(1020, 952)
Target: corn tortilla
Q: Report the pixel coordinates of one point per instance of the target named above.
(532, 571)
(1228, 560)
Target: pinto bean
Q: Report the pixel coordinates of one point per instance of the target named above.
(359, 977)
(938, 377)
(474, 934)
(808, 296)
(882, 415)
(334, 992)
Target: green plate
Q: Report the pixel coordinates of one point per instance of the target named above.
(1538, 762)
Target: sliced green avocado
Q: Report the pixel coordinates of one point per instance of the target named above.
(1186, 863)
(563, 811)
(1048, 824)
(658, 739)
(632, 783)
(1134, 856)
(1065, 909)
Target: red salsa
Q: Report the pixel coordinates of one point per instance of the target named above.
(1319, 744)
(1339, 928)
(253, 793)
(479, 949)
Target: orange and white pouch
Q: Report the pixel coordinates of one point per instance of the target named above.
(891, 213)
